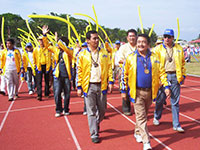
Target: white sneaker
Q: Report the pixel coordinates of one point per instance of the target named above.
(178, 129)
(138, 138)
(146, 146)
(84, 113)
(30, 93)
(156, 122)
(57, 115)
(66, 113)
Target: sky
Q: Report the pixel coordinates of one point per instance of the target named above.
(121, 14)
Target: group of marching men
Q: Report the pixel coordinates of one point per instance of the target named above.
(145, 75)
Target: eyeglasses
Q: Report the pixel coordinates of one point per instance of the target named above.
(167, 36)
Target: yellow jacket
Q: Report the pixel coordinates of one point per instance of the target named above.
(67, 56)
(178, 54)
(84, 63)
(37, 58)
(75, 55)
(18, 59)
(25, 61)
(112, 52)
(0, 55)
(129, 75)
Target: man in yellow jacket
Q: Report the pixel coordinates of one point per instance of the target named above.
(11, 60)
(42, 63)
(124, 51)
(27, 58)
(171, 57)
(61, 72)
(3, 80)
(141, 76)
(93, 72)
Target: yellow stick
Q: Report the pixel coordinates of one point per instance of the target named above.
(24, 39)
(151, 30)
(35, 40)
(69, 32)
(97, 28)
(90, 24)
(178, 30)
(87, 28)
(97, 25)
(140, 19)
(2, 33)
(26, 33)
(57, 18)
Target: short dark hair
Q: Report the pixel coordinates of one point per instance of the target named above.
(146, 37)
(88, 34)
(12, 41)
(64, 39)
(132, 30)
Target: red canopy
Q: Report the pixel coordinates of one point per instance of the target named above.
(195, 41)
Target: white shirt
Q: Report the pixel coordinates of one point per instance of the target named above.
(10, 61)
(95, 71)
(125, 50)
(30, 56)
(117, 58)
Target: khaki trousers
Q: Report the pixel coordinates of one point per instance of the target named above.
(141, 106)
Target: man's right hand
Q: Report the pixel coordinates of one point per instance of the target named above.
(1, 71)
(123, 95)
(79, 92)
(45, 30)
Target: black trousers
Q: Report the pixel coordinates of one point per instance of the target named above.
(39, 81)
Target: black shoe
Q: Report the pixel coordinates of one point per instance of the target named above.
(3, 93)
(47, 96)
(10, 99)
(16, 96)
(95, 140)
(127, 113)
(39, 98)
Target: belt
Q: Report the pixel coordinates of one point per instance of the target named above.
(95, 82)
(171, 72)
(144, 89)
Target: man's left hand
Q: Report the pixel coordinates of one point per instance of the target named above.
(167, 93)
(110, 87)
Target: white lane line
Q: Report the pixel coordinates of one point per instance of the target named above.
(72, 133)
(6, 115)
(185, 116)
(191, 87)
(190, 118)
(192, 99)
(193, 75)
(9, 108)
(165, 146)
(192, 81)
(187, 91)
(37, 107)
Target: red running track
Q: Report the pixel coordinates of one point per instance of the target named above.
(30, 124)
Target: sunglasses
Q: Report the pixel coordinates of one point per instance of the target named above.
(167, 36)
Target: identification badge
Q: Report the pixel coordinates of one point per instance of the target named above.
(146, 71)
(170, 59)
(95, 64)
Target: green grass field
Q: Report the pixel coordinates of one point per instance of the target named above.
(193, 67)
